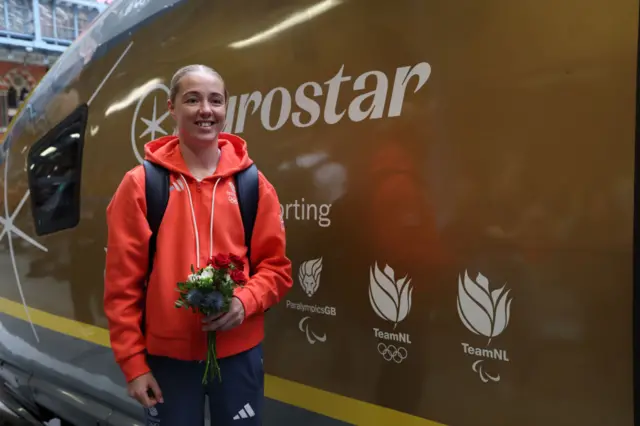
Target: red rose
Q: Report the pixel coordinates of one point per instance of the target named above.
(238, 277)
(237, 262)
(221, 261)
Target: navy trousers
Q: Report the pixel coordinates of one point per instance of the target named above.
(236, 401)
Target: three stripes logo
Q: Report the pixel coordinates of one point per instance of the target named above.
(245, 413)
(177, 185)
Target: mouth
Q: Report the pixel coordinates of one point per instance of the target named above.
(205, 123)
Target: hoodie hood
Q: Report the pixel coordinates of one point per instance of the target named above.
(165, 152)
(201, 219)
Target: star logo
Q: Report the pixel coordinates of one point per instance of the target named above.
(10, 230)
(8, 226)
(149, 128)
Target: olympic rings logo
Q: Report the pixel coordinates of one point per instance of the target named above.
(392, 353)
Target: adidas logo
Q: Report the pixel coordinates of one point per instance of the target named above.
(178, 185)
(245, 413)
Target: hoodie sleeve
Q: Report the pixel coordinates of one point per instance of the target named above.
(126, 267)
(271, 279)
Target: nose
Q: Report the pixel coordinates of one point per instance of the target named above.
(205, 109)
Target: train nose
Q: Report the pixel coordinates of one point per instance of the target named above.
(13, 413)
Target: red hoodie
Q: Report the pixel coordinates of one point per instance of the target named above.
(193, 229)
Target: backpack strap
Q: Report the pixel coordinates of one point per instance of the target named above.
(157, 197)
(247, 185)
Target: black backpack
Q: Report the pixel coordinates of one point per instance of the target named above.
(157, 196)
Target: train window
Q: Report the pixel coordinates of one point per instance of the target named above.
(54, 168)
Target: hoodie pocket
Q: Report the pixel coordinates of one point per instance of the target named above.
(163, 319)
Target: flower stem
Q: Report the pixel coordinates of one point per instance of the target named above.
(211, 358)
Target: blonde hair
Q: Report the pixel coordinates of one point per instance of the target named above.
(175, 80)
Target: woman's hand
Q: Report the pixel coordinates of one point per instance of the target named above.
(145, 390)
(227, 320)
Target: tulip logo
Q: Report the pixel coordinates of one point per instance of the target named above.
(309, 275)
(482, 311)
(390, 299)
(485, 313)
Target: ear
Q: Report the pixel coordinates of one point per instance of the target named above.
(226, 112)
(171, 108)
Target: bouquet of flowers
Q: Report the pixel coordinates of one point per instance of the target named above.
(209, 291)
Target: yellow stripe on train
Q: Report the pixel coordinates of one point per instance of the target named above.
(312, 399)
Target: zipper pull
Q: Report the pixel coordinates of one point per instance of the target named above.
(197, 186)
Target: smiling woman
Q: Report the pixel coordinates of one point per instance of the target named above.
(166, 381)
(202, 103)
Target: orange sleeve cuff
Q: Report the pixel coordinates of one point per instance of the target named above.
(135, 367)
(248, 301)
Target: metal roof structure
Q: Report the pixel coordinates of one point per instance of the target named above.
(43, 27)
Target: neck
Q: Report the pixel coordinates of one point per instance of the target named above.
(201, 161)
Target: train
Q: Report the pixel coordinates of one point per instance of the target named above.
(458, 187)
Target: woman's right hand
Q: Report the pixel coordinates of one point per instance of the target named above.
(145, 390)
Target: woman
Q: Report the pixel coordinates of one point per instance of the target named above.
(163, 366)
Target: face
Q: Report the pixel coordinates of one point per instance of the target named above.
(199, 107)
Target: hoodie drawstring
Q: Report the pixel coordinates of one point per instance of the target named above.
(213, 206)
(195, 225)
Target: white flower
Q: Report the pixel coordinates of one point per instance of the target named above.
(192, 278)
(207, 272)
